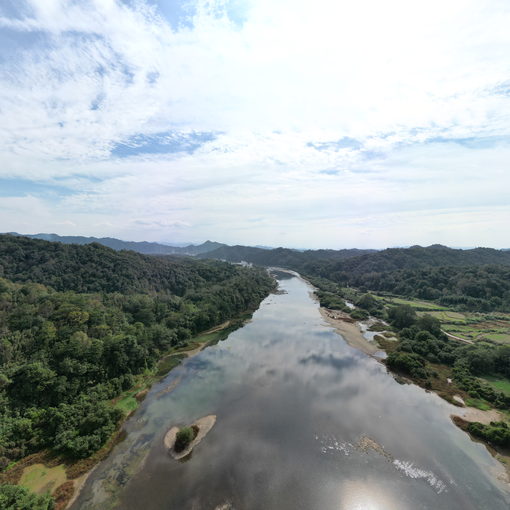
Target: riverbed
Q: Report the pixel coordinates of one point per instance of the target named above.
(304, 421)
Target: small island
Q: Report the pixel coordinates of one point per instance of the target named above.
(180, 441)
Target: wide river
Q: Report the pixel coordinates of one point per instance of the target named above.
(303, 422)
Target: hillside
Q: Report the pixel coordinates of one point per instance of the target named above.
(282, 257)
(147, 248)
(96, 268)
(475, 279)
(364, 261)
(81, 324)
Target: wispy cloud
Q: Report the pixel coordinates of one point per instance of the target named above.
(315, 120)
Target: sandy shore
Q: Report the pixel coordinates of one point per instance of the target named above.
(350, 331)
(472, 414)
(204, 425)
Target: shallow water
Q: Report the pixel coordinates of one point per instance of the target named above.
(303, 422)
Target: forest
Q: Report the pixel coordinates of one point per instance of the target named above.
(476, 279)
(78, 323)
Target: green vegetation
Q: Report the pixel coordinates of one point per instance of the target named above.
(184, 437)
(14, 497)
(498, 383)
(82, 329)
(473, 280)
(169, 362)
(425, 354)
(478, 404)
(421, 337)
(497, 433)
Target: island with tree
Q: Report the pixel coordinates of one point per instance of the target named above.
(180, 441)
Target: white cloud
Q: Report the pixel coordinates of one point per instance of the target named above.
(393, 75)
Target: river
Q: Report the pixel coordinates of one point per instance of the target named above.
(304, 422)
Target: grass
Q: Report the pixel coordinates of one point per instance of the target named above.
(498, 383)
(127, 404)
(41, 479)
(446, 316)
(419, 305)
(478, 403)
(500, 338)
(168, 363)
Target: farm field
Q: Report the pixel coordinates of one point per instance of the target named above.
(493, 331)
(492, 328)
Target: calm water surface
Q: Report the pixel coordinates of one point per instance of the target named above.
(293, 401)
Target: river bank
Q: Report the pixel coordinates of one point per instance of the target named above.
(197, 344)
(350, 330)
(66, 487)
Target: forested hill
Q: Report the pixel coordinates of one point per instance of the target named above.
(96, 268)
(148, 248)
(81, 324)
(416, 257)
(476, 279)
(364, 261)
(282, 257)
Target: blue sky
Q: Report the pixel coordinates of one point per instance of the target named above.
(274, 122)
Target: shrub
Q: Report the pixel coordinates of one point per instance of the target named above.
(14, 497)
(184, 438)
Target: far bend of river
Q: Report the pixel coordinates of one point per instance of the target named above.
(293, 401)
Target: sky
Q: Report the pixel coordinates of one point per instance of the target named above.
(299, 123)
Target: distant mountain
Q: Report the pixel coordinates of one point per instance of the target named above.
(364, 261)
(144, 247)
(283, 257)
(415, 257)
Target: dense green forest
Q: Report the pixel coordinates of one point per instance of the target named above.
(281, 257)
(78, 323)
(477, 279)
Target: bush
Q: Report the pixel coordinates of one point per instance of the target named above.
(497, 433)
(184, 438)
(14, 497)
(409, 363)
(359, 314)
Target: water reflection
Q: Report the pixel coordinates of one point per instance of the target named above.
(303, 422)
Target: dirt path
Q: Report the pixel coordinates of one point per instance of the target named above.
(465, 340)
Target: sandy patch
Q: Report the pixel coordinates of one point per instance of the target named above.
(204, 425)
(457, 398)
(350, 331)
(472, 414)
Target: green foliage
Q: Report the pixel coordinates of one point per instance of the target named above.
(408, 363)
(402, 316)
(64, 354)
(477, 279)
(14, 497)
(369, 303)
(497, 433)
(184, 437)
(359, 314)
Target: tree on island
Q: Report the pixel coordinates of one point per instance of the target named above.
(184, 437)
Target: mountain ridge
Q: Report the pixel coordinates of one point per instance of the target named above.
(144, 247)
